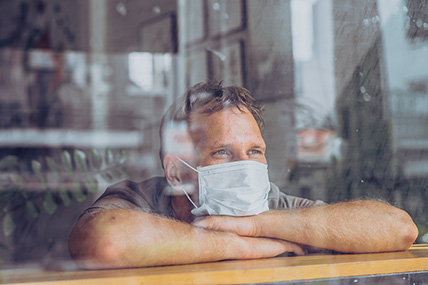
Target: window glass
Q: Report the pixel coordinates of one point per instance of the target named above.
(84, 85)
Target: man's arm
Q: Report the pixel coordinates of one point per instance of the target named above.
(352, 227)
(129, 238)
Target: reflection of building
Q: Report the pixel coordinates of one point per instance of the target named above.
(55, 73)
(228, 40)
(366, 168)
(409, 114)
(381, 80)
(404, 26)
(313, 52)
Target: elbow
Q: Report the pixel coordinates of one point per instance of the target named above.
(91, 250)
(105, 255)
(408, 231)
(411, 235)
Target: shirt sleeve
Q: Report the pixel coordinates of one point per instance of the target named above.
(279, 200)
(126, 195)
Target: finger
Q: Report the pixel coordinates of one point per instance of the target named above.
(242, 226)
(291, 247)
(294, 248)
(297, 249)
(213, 222)
(202, 222)
(267, 247)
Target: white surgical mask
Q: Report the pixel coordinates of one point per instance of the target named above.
(237, 188)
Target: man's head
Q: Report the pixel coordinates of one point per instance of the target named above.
(203, 99)
(210, 125)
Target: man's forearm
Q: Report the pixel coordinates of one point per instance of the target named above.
(357, 226)
(127, 238)
(354, 227)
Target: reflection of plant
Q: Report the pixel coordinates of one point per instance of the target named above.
(74, 177)
(423, 233)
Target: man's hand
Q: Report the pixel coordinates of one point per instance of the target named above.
(268, 247)
(256, 247)
(243, 226)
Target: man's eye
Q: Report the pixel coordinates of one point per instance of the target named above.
(255, 151)
(222, 151)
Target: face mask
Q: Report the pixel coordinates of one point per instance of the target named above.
(238, 188)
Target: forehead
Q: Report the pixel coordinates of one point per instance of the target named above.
(226, 126)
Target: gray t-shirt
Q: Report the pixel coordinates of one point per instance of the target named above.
(152, 196)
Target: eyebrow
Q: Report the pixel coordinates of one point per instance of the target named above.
(226, 146)
(259, 146)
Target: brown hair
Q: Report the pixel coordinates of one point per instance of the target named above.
(208, 98)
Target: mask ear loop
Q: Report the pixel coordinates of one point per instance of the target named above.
(188, 197)
(188, 165)
(182, 188)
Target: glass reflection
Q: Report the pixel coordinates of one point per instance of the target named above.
(83, 87)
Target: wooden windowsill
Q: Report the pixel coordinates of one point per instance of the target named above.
(310, 267)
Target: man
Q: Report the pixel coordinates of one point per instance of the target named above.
(229, 209)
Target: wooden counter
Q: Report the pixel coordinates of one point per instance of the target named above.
(277, 269)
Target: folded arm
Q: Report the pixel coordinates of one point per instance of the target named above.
(353, 227)
(128, 238)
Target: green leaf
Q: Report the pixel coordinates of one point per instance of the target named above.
(92, 184)
(107, 177)
(19, 184)
(109, 156)
(18, 181)
(123, 156)
(49, 203)
(80, 159)
(95, 158)
(32, 209)
(8, 225)
(78, 193)
(63, 194)
(8, 161)
(37, 168)
(6, 197)
(54, 168)
(66, 162)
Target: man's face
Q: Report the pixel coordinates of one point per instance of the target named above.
(225, 136)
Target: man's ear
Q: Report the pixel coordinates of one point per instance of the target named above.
(172, 169)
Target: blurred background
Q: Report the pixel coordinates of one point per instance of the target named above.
(84, 84)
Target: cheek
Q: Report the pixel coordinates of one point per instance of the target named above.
(190, 183)
(205, 160)
(259, 158)
(189, 176)
(208, 162)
